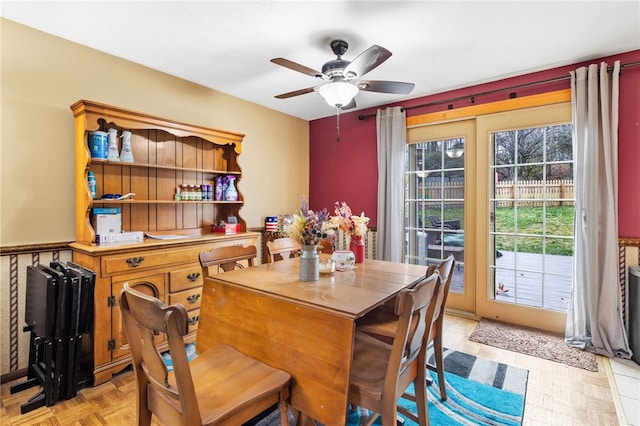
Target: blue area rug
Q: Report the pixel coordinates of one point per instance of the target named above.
(468, 403)
(479, 392)
(191, 355)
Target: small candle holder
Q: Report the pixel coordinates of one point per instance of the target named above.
(328, 267)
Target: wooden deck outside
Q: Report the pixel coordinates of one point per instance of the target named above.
(526, 285)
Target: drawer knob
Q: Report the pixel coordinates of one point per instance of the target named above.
(194, 320)
(193, 298)
(135, 261)
(194, 276)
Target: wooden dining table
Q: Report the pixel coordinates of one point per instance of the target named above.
(304, 328)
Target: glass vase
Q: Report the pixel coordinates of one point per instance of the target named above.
(357, 247)
(309, 263)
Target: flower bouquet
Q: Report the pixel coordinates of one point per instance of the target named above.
(355, 226)
(345, 220)
(308, 227)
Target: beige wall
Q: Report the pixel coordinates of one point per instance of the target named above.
(43, 75)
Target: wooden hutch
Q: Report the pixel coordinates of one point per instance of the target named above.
(167, 154)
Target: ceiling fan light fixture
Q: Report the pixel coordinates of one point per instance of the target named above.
(456, 150)
(338, 93)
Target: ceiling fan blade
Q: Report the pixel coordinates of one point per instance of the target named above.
(296, 93)
(380, 86)
(366, 61)
(297, 67)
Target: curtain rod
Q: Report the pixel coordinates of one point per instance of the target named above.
(490, 92)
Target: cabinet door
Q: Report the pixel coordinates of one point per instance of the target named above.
(153, 286)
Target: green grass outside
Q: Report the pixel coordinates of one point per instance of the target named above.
(559, 223)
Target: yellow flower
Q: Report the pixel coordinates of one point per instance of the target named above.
(360, 224)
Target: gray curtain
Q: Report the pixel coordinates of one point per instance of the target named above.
(392, 139)
(594, 320)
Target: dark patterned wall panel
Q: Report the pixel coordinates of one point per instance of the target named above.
(14, 342)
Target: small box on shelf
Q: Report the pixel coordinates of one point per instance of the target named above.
(226, 228)
(107, 220)
(122, 237)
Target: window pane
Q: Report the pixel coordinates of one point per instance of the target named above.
(559, 143)
(530, 146)
(504, 148)
(529, 218)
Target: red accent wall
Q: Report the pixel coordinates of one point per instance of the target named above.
(347, 170)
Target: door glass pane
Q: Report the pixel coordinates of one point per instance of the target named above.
(434, 204)
(532, 216)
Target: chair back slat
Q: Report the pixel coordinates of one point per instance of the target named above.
(228, 258)
(282, 248)
(415, 308)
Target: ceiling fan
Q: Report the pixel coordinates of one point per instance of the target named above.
(343, 76)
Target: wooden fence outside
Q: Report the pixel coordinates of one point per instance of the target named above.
(530, 193)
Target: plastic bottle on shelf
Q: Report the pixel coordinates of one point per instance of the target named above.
(112, 150)
(126, 154)
(219, 190)
(91, 180)
(230, 193)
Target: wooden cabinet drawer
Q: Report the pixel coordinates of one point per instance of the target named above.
(190, 299)
(185, 278)
(142, 260)
(194, 320)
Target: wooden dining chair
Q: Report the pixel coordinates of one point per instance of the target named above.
(382, 323)
(381, 372)
(227, 258)
(282, 248)
(220, 387)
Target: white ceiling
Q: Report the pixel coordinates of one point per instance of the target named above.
(438, 45)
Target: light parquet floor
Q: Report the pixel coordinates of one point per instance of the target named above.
(556, 394)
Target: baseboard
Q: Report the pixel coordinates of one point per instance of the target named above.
(463, 314)
(13, 375)
(617, 401)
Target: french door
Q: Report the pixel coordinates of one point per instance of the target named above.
(439, 212)
(495, 191)
(525, 215)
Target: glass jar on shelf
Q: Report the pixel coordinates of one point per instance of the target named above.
(184, 192)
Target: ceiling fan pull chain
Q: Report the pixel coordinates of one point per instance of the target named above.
(338, 124)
